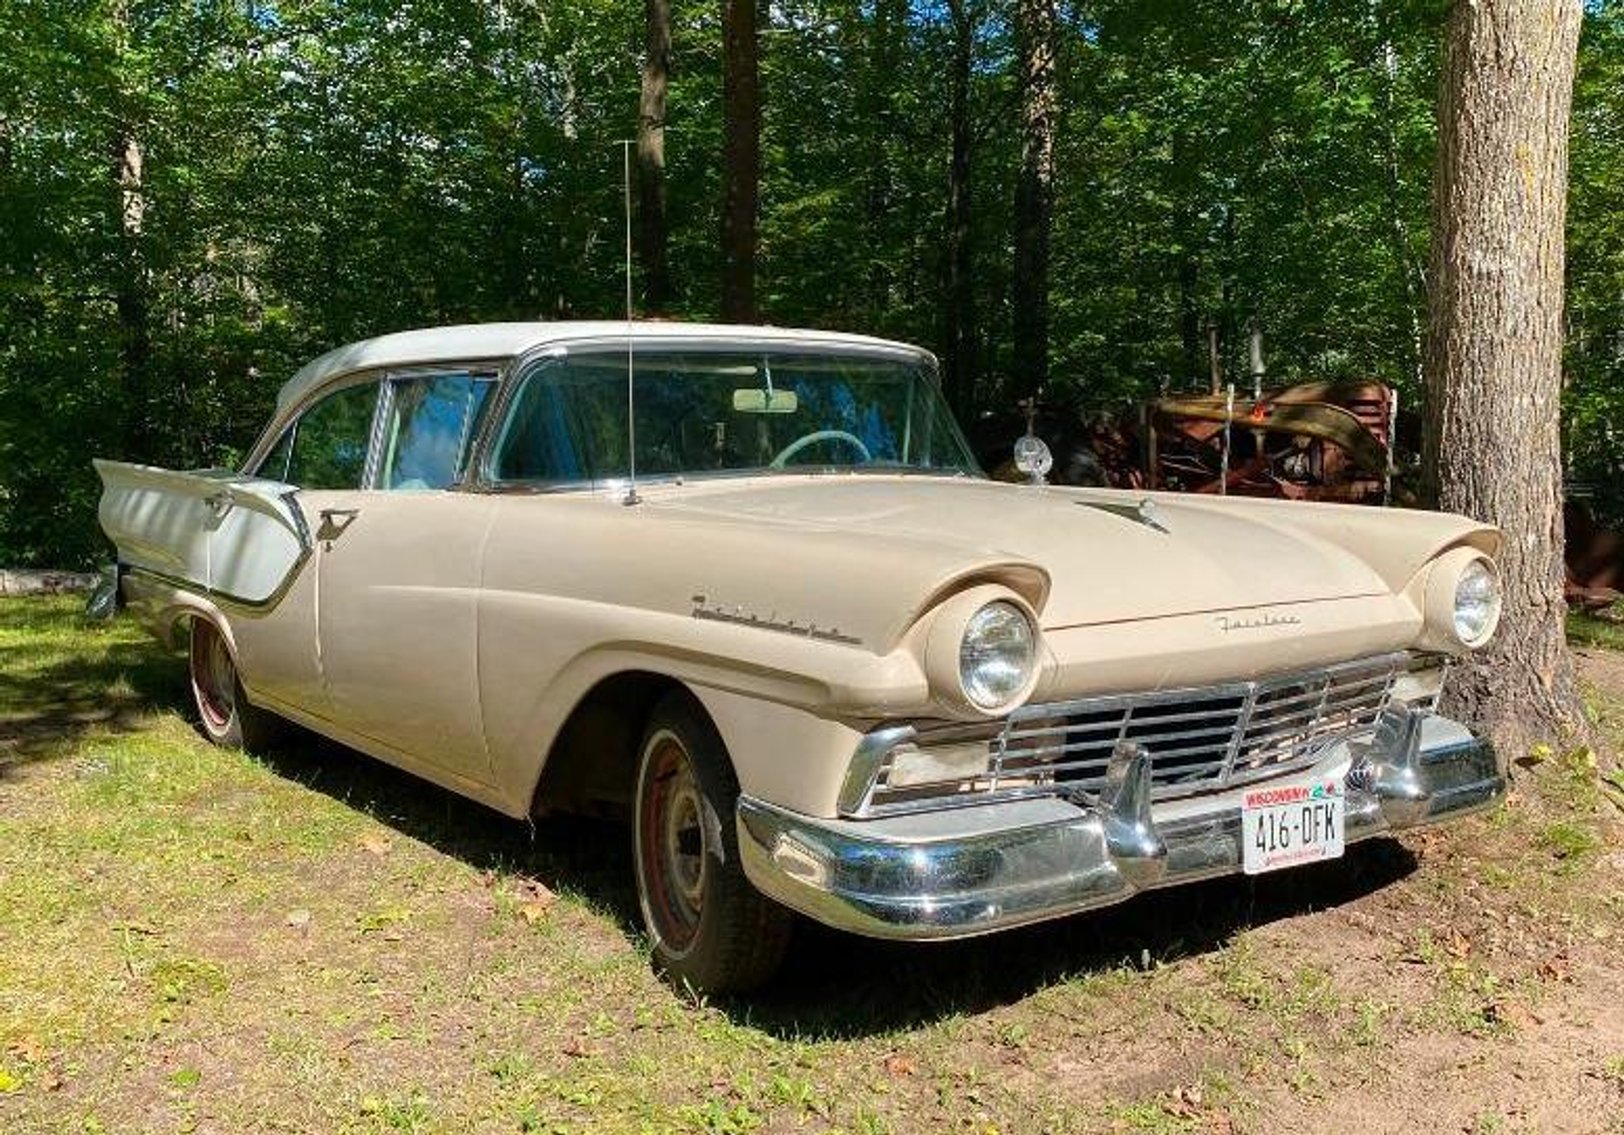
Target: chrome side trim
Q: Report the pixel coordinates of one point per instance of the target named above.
(967, 871)
(858, 785)
(222, 597)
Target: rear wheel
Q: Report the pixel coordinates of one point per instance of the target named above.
(222, 709)
(709, 927)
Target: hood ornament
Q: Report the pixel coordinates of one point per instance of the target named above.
(1140, 512)
(1032, 455)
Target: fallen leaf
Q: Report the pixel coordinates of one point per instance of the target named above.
(899, 1065)
(533, 888)
(27, 1049)
(1457, 945)
(575, 1046)
(8, 1082)
(375, 843)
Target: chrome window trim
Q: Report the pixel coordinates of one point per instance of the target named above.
(387, 395)
(281, 421)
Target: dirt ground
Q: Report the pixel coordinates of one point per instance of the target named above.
(194, 940)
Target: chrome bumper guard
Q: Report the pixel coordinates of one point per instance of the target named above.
(971, 870)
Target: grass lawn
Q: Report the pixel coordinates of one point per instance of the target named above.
(200, 940)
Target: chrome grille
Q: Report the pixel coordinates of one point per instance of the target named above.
(1198, 739)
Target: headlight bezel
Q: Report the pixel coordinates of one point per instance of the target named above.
(944, 654)
(997, 655)
(1441, 629)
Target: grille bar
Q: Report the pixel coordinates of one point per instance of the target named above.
(1199, 738)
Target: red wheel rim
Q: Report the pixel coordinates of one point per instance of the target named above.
(214, 677)
(671, 843)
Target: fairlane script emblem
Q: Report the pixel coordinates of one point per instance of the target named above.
(1256, 623)
(717, 612)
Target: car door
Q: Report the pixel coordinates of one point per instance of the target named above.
(399, 565)
(231, 535)
(320, 458)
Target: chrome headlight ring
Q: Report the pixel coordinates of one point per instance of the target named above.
(1463, 601)
(1477, 603)
(982, 654)
(997, 656)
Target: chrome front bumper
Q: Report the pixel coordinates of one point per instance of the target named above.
(972, 870)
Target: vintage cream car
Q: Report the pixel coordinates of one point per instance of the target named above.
(823, 663)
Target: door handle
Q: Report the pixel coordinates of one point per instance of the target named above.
(334, 522)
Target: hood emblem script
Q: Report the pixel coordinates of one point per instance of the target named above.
(1227, 623)
(721, 613)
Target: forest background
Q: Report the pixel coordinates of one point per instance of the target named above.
(195, 198)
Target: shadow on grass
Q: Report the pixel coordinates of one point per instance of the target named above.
(835, 985)
(587, 858)
(840, 986)
(53, 690)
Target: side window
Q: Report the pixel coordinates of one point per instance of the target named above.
(431, 424)
(330, 440)
(275, 465)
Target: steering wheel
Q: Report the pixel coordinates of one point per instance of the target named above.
(813, 438)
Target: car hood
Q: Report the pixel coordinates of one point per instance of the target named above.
(1108, 557)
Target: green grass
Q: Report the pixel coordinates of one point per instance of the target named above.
(1591, 631)
(198, 939)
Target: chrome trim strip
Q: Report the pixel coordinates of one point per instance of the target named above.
(858, 785)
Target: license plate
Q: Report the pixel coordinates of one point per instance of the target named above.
(1286, 825)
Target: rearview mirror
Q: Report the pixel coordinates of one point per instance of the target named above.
(762, 401)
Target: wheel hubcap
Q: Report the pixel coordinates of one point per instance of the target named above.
(214, 678)
(672, 844)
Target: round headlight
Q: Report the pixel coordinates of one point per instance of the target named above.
(1477, 603)
(997, 655)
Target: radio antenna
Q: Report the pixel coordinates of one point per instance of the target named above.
(631, 369)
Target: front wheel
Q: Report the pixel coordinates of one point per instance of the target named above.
(709, 927)
(222, 709)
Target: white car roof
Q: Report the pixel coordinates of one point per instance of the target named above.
(498, 341)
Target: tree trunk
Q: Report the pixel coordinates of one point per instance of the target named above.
(1408, 267)
(959, 334)
(131, 297)
(887, 32)
(741, 159)
(653, 234)
(1034, 191)
(1494, 349)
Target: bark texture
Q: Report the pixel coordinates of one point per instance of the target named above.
(741, 158)
(133, 293)
(959, 330)
(1494, 344)
(652, 228)
(1034, 191)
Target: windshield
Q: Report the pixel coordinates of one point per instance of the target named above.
(711, 413)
